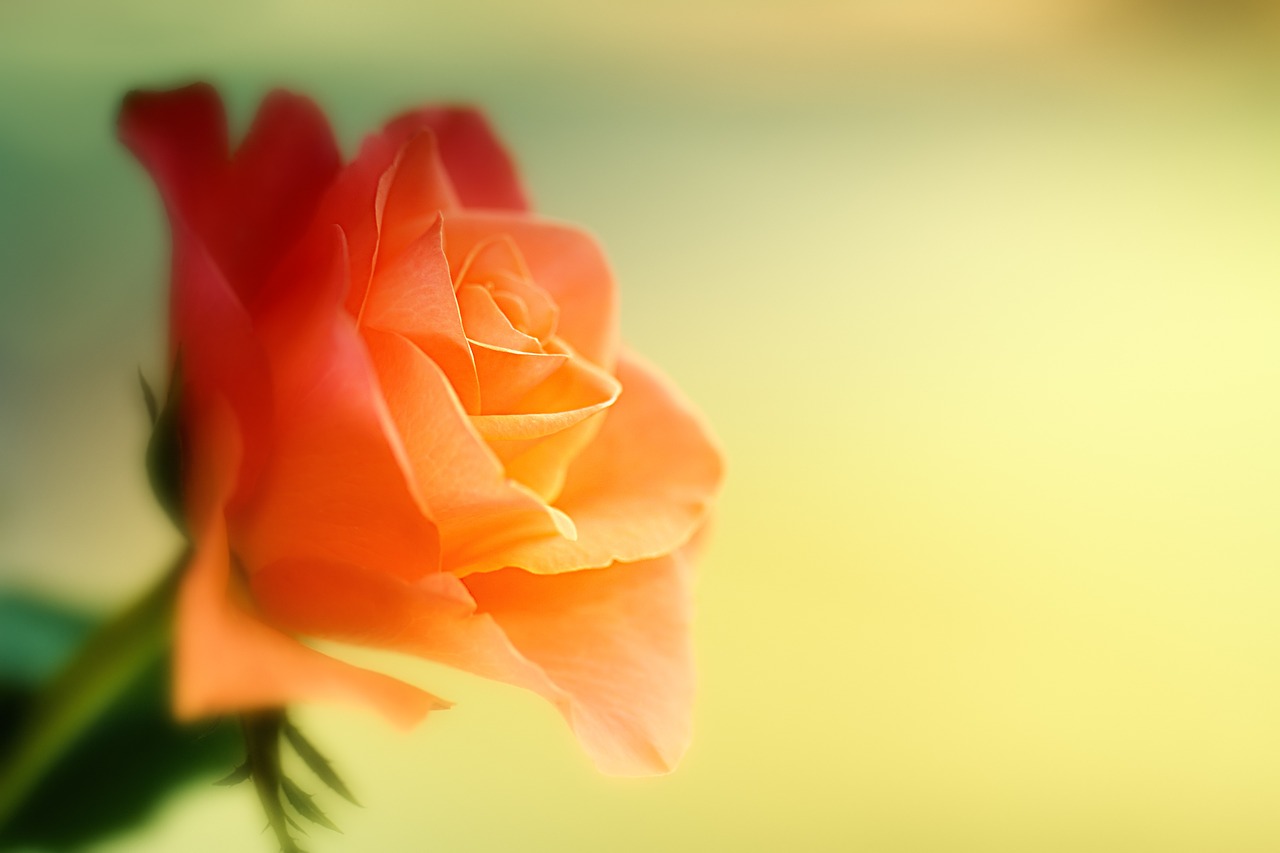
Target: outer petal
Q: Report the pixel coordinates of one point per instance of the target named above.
(226, 659)
(609, 648)
(617, 642)
(181, 138)
(640, 488)
(565, 261)
(272, 188)
(221, 357)
(247, 209)
(338, 485)
(478, 165)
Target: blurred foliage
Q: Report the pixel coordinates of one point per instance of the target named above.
(121, 769)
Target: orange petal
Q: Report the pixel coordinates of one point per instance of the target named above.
(477, 509)
(418, 189)
(507, 377)
(338, 484)
(485, 321)
(413, 296)
(609, 648)
(641, 487)
(541, 421)
(226, 659)
(617, 642)
(565, 262)
(477, 163)
(496, 263)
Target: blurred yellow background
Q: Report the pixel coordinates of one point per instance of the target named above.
(981, 297)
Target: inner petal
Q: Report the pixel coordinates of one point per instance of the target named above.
(485, 322)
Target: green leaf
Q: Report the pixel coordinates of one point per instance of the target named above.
(123, 766)
(301, 802)
(317, 763)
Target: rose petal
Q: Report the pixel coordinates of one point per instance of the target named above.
(485, 322)
(225, 658)
(180, 137)
(641, 487)
(477, 509)
(547, 423)
(220, 355)
(540, 462)
(617, 642)
(496, 263)
(249, 209)
(338, 485)
(418, 189)
(354, 204)
(272, 188)
(478, 164)
(413, 296)
(565, 262)
(609, 648)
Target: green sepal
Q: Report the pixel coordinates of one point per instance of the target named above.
(235, 777)
(164, 450)
(149, 397)
(303, 805)
(317, 763)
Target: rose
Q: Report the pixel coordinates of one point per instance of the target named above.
(407, 423)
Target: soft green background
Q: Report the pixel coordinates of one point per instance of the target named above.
(981, 298)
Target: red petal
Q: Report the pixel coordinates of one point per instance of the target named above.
(478, 164)
(338, 485)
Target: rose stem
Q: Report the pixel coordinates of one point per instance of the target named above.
(108, 663)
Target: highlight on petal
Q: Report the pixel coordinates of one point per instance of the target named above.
(477, 163)
(642, 486)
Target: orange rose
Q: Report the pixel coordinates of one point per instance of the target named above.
(407, 423)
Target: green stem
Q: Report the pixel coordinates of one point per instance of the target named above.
(112, 660)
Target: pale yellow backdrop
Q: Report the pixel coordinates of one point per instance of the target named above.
(982, 298)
